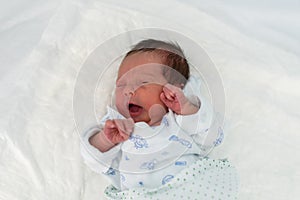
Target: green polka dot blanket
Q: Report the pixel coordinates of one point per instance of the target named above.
(205, 179)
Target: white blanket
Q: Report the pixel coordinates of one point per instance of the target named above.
(43, 45)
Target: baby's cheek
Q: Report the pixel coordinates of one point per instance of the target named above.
(156, 113)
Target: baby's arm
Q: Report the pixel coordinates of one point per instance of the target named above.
(174, 98)
(201, 125)
(100, 162)
(200, 122)
(114, 132)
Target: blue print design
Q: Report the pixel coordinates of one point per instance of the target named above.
(149, 165)
(141, 183)
(167, 179)
(220, 138)
(122, 177)
(180, 163)
(111, 171)
(138, 141)
(165, 121)
(181, 141)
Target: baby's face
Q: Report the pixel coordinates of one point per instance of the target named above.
(138, 88)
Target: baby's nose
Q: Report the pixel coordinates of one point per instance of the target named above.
(129, 90)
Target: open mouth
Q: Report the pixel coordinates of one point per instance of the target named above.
(134, 109)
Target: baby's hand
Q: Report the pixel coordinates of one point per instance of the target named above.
(174, 98)
(118, 130)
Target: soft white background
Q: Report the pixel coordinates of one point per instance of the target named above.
(254, 44)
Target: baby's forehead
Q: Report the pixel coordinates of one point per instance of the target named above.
(149, 71)
(141, 62)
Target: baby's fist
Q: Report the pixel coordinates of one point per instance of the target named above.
(118, 130)
(174, 98)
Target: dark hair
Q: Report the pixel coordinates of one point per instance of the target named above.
(172, 56)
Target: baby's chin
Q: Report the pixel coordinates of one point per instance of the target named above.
(142, 118)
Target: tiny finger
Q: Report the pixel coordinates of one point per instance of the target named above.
(110, 124)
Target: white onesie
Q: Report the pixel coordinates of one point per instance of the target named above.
(152, 156)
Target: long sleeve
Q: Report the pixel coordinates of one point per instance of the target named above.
(203, 126)
(101, 162)
(98, 161)
(198, 122)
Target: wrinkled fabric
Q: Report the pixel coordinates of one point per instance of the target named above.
(43, 45)
(205, 179)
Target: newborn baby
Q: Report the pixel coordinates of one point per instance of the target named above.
(156, 132)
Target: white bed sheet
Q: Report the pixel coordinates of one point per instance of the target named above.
(254, 45)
